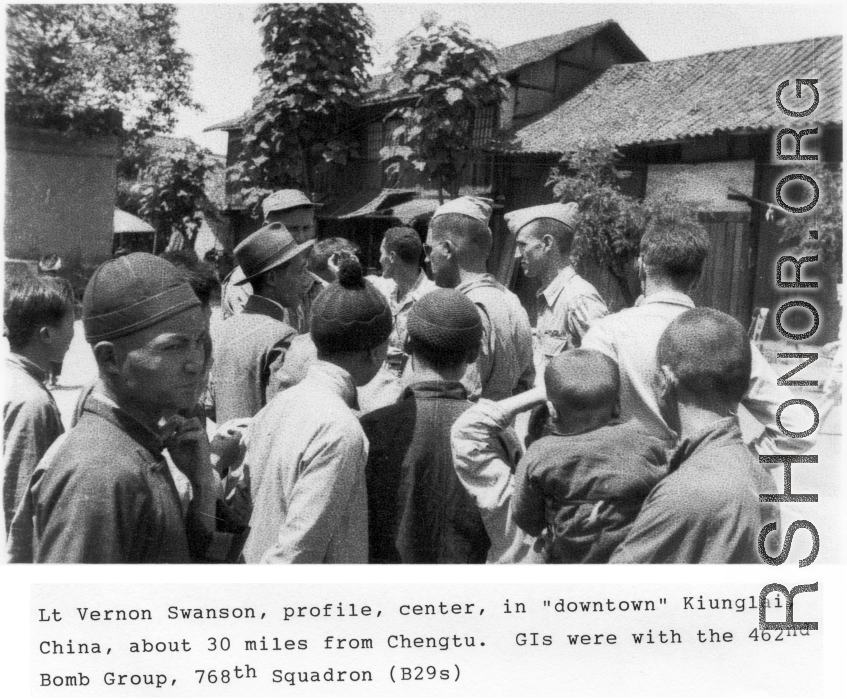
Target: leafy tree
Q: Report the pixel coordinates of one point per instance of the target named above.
(171, 193)
(448, 76)
(113, 69)
(826, 217)
(312, 75)
(611, 223)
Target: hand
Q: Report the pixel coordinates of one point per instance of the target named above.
(226, 446)
(188, 445)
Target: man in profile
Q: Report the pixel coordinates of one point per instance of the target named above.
(104, 493)
(567, 303)
(296, 212)
(400, 256)
(458, 244)
(250, 346)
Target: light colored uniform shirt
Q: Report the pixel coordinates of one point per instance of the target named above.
(400, 313)
(306, 456)
(566, 308)
(485, 452)
(505, 364)
(631, 338)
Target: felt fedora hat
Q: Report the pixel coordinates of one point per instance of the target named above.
(269, 247)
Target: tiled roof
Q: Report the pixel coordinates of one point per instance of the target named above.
(386, 86)
(513, 57)
(728, 91)
(228, 125)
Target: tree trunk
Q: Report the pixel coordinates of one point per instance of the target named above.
(307, 178)
(623, 285)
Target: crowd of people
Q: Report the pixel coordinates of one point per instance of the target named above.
(335, 417)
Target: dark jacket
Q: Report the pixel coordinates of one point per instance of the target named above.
(585, 490)
(707, 509)
(104, 496)
(31, 423)
(248, 350)
(418, 511)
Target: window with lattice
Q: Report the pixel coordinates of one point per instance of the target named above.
(485, 121)
(374, 139)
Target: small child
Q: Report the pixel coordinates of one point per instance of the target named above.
(38, 317)
(583, 485)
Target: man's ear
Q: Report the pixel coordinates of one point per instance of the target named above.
(642, 273)
(106, 355)
(666, 381)
(696, 281)
(548, 242)
(47, 334)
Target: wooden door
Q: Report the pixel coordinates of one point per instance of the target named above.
(725, 284)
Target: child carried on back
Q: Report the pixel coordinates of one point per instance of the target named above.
(583, 484)
(579, 488)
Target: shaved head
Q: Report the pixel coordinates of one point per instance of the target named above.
(470, 237)
(709, 353)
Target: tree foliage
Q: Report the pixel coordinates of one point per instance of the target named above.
(171, 193)
(826, 217)
(91, 67)
(312, 75)
(448, 75)
(611, 223)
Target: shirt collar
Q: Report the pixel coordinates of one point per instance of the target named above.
(260, 305)
(436, 389)
(318, 280)
(484, 280)
(412, 294)
(104, 407)
(726, 429)
(28, 366)
(675, 298)
(334, 378)
(554, 288)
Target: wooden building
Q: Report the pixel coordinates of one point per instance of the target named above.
(701, 128)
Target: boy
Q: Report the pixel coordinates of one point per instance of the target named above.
(306, 451)
(583, 485)
(707, 510)
(418, 510)
(38, 316)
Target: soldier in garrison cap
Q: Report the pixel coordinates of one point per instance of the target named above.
(457, 247)
(567, 304)
(104, 492)
(250, 346)
(296, 212)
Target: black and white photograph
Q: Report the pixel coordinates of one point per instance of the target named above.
(405, 283)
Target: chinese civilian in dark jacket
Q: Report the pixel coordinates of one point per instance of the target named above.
(418, 510)
(105, 494)
(707, 510)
